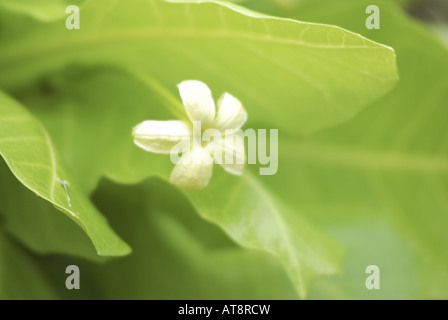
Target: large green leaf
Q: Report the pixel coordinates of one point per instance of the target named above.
(37, 223)
(30, 154)
(329, 74)
(253, 216)
(379, 183)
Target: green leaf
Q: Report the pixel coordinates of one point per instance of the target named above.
(31, 156)
(37, 223)
(379, 183)
(329, 74)
(256, 218)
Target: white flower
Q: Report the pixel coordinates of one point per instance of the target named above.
(210, 136)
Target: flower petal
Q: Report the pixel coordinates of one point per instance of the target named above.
(194, 169)
(198, 101)
(161, 136)
(229, 153)
(231, 113)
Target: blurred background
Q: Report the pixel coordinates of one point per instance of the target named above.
(370, 190)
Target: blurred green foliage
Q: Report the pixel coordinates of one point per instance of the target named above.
(362, 164)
